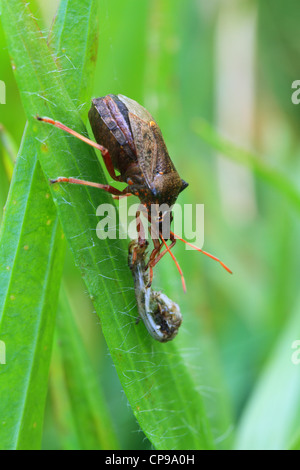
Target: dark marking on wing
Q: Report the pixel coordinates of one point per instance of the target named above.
(115, 116)
(151, 150)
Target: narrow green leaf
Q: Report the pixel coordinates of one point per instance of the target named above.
(32, 255)
(8, 155)
(89, 410)
(271, 418)
(60, 413)
(10, 149)
(77, 64)
(270, 175)
(28, 294)
(295, 445)
(155, 378)
(74, 40)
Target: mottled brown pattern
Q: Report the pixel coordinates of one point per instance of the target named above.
(137, 148)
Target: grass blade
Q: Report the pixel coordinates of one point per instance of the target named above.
(270, 175)
(37, 271)
(88, 406)
(155, 378)
(29, 287)
(77, 69)
(275, 398)
(76, 64)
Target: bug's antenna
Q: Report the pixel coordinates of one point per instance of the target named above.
(204, 252)
(176, 262)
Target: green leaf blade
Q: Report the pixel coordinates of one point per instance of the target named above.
(76, 23)
(271, 176)
(30, 274)
(92, 421)
(26, 321)
(275, 398)
(155, 378)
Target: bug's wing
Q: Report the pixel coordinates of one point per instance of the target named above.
(151, 149)
(110, 113)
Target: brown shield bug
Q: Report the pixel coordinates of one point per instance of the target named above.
(131, 142)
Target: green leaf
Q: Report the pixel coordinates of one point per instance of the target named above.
(277, 43)
(8, 155)
(158, 384)
(10, 149)
(29, 280)
(74, 38)
(268, 174)
(32, 255)
(270, 420)
(89, 409)
(295, 445)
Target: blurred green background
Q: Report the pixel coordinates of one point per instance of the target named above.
(232, 64)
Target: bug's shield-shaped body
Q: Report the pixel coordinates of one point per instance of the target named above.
(137, 149)
(160, 314)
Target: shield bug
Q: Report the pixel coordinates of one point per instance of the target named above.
(161, 315)
(131, 142)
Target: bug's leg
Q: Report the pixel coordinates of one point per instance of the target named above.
(105, 187)
(104, 152)
(156, 256)
(109, 164)
(154, 253)
(159, 256)
(150, 277)
(140, 229)
(157, 245)
(123, 195)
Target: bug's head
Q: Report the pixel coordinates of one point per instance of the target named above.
(165, 188)
(163, 194)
